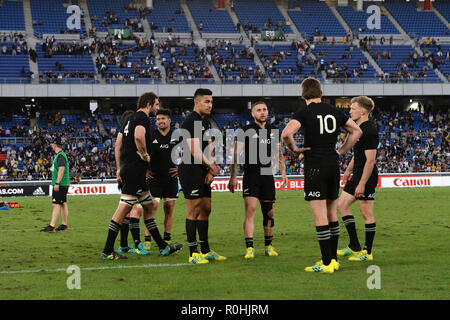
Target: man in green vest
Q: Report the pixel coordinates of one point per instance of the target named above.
(60, 184)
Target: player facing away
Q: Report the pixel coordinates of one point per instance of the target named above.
(258, 180)
(163, 174)
(134, 161)
(362, 185)
(131, 220)
(321, 123)
(196, 172)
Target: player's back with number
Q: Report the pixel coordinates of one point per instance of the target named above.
(321, 123)
(129, 156)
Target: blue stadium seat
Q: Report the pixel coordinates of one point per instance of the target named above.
(316, 14)
(247, 11)
(358, 19)
(53, 15)
(414, 22)
(213, 20)
(162, 11)
(11, 16)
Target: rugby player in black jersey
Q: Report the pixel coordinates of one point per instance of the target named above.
(163, 174)
(320, 123)
(134, 160)
(362, 185)
(196, 173)
(261, 142)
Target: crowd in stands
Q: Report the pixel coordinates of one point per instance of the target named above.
(228, 66)
(184, 62)
(112, 52)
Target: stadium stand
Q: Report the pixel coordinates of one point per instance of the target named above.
(264, 16)
(344, 63)
(311, 12)
(118, 63)
(439, 56)
(209, 19)
(235, 63)
(50, 17)
(62, 61)
(415, 22)
(14, 62)
(168, 16)
(11, 16)
(357, 20)
(443, 7)
(402, 63)
(284, 64)
(185, 63)
(115, 14)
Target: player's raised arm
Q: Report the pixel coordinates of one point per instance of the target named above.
(288, 137)
(354, 133)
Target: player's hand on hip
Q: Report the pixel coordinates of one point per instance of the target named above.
(359, 191)
(232, 184)
(145, 156)
(149, 174)
(213, 169)
(209, 178)
(174, 172)
(298, 152)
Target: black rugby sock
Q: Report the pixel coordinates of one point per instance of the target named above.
(370, 235)
(113, 231)
(135, 231)
(334, 238)
(323, 235)
(202, 226)
(154, 231)
(191, 232)
(124, 232)
(350, 225)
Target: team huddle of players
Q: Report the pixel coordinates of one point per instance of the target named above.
(147, 174)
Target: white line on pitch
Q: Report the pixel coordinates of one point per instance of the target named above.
(161, 265)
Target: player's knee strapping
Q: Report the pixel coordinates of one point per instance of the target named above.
(129, 200)
(145, 199)
(268, 221)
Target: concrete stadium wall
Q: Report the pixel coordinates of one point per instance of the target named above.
(247, 90)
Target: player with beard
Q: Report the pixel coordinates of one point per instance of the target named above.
(258, 181)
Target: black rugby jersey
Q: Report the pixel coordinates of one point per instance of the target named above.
(320, 123)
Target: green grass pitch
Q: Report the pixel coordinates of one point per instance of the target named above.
(411, 250)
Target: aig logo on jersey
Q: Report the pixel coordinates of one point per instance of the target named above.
(164, 146)
(314, 194)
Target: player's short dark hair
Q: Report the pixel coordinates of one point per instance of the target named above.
(125, 115)
(164, 112)
(364, 102)
(259, 102)
(311, 88)
(145, 98)
(200, 92)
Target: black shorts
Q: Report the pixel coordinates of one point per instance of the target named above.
(133, 182)
(321, 182)
(369, 190)
(60, 197)
(163, 188)
(192, 180)
(258, 186)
